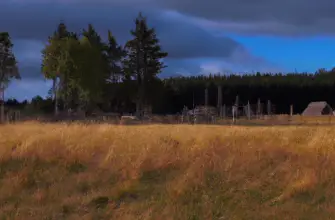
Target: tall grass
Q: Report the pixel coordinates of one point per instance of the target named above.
(56, 171)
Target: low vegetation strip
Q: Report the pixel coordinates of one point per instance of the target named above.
(59, 171)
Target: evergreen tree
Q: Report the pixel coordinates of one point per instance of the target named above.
(143, 61)
(113, 89)
(93, 37)
(8, 67)
(114, 53)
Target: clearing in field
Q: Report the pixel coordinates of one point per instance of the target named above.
(55, 171)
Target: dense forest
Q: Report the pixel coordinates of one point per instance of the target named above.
(89, 74)
(170, 95)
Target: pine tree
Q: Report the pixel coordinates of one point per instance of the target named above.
(143, 61)
(93, 37)
(8, 67)
(114, 53)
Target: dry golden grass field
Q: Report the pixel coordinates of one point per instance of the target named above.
(166, 172)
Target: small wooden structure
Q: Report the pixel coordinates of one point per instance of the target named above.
(318, 109)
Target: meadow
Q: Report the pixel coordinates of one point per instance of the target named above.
(167, 172)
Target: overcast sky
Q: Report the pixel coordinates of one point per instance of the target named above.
(200, 36)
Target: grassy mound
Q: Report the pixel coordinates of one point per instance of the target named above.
(166, 172)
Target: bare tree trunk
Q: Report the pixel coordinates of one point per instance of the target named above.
(219, 102)
(138, 108)
(54, 82)
(206, 97)
(139, 101)
(63, 87)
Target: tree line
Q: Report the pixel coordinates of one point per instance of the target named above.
(89, 73)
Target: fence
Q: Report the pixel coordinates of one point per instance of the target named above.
(247, 118)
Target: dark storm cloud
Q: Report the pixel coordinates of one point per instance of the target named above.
(297, 12)
(30, 24)
(286, 17)
(181, 39)
(276, 17)
(28, 56)
(185, 40)
(37, 21)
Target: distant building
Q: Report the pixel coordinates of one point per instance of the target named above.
(318, 109)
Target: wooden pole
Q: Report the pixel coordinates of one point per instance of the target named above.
(219, 102)
(236, 105)
(55, 88)
(224, 111)
(206, 97)
(249, 115)
(291, 112)
(259, 108)
(206, 106)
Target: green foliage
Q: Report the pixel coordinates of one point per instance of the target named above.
(53, 54)
(91, 67)
(144, 59)
(144, 53)
(114, 54)
(8, 64)
(88, 72)
(56, 61)
(38, 105)
(78, 63)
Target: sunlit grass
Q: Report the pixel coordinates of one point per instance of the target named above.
(56, 171)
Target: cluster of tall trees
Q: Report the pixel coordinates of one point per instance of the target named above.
(90, 73)
(168, 96)
(283, 90)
